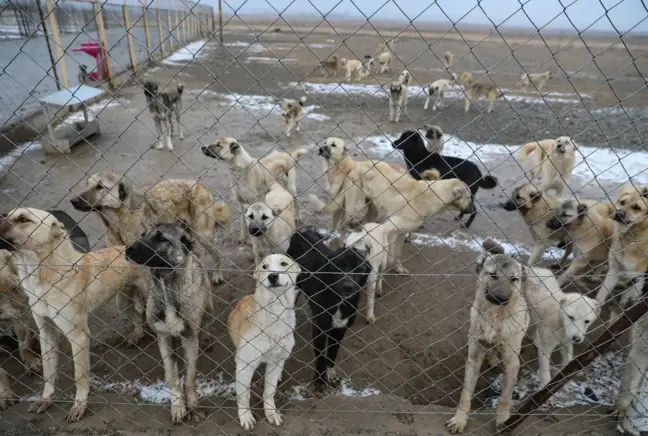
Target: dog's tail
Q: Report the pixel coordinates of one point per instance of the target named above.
(431, 175)
(206, 213)
(299, 153)
(527, 150)
(487, 182)
(302, 100)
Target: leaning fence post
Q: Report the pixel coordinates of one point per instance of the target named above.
(57, 41)
(177, 22)
(103, 41)
(147, 34)
(159, 23)
(129, 38)
(220, 19)
(169, 25)
(48, 40)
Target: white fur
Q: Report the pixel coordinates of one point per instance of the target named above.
(436, 91)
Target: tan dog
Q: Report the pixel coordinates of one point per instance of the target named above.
(253, 177)
(356, 69)
(384, 56)
(64, 287)
(271, 222)
(552, 162)
(345, 185)
(537, 208)
(292, 113)
(538, 80)
(398, 95)
(590, 227)
(499, 319)
(448, 59)
(262, 329)
(474, 91)
(331, 66)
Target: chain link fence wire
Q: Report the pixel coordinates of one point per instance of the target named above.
(219, 137)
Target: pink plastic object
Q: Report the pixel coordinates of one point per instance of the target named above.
(94, 49)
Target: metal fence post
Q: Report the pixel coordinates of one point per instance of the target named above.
(220, 19)
(129, 38)
(159, 23)
(57, 41)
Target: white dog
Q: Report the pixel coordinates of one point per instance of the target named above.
(436, 91)
(538, 80)
(398, 95)
(552, 162)
(356, 68)
(262, 328)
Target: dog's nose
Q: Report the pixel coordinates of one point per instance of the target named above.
(347, 286)
(207, 151)
(577, 339)
(75, 201)
(273, 278)
(619, 215)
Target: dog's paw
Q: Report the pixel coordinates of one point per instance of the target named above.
(319, 384)
(40, 405)
(178, 413)
(332, 377)
(181, 136)
(135, 336)
(195, 414)
(274, 417)
(399, 269)
(34, 365)
(76, 412)
(371, 319)
(216, 279)
(7, 398)
(246, 420)
(457, 424)
(501, 418)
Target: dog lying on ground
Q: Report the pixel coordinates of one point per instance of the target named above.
(165, 108)
(292, 113)
(537, 208)
(552, 162)
(398, 96)
(590, 227)
(331, 65)
(474, 90)
(381, 245)
(262, 328)
(419, 159)
(499, 319)
(436, 91)
(253, 177)
(175, 307)
(64, 286)
(345, 185)
(332, 280)
(538, 80)
(271, 222)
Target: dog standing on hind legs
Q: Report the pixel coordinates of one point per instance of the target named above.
(262, 329)
(175, 307)
(165, 108)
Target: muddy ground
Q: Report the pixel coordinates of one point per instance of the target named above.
(415, 353)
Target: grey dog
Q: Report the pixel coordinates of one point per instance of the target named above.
(175, 306)
(165, 108)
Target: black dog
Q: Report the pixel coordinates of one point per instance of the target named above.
(419, 159)
(331, 280)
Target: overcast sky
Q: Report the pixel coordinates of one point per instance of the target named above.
(554, 14)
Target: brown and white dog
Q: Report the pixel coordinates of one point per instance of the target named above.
(292, 113)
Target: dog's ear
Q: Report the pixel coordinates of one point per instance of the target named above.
(235, 147)
(582, 209)
(183, 224)
(458, 191)
(123, 191)
(525, 273)
(58, 229)
(492, 247)
(276, 211)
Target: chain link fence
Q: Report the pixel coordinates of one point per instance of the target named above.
(382, 159)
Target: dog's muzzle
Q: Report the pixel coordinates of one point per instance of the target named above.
(81, 205)
(7, 244)
(620, 216)
(209, 153)
(324, 151)
(498, 297)
(554, 224)
(256, 231)
(510, 206)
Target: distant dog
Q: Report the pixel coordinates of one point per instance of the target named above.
(419, 159)
(436, 91)
(499, 319)
(262, 328)
(473, 91)
(165, 108)
(537, 208)
(384, 57)
(538, 80)
(398, 95)
(331, 66)
(552, 162)
(381, 246)
(356, 69)
(271, 222)
(253, 177)
(332, 280)
(293, 113)
(175, 307)
(448, 59)
(590, 227)
(558, 319)
(64, 287)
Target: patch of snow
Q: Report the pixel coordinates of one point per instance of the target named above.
(266, 60)
(186, 54)
(10, 158)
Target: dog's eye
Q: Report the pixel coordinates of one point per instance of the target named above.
(99, 187)
(571, 318)
(636, 207)
(493, 276)
(22, 219)
(333, 145)
(622, 202)
(265, 267)
(264, 217)
(514, 279)
(587, 321)
(284, 263)
(251, 216)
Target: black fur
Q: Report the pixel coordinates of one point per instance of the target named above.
(419, 159)
(329, 289)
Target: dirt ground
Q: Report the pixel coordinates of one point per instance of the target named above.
(415, 353)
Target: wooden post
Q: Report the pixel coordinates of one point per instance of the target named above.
(147, 34)
(159, 21)
(177, 22)
(169, 26)
(49, 44)
(129, 38)
(103, 41)
(220, 19)
(57, 41)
